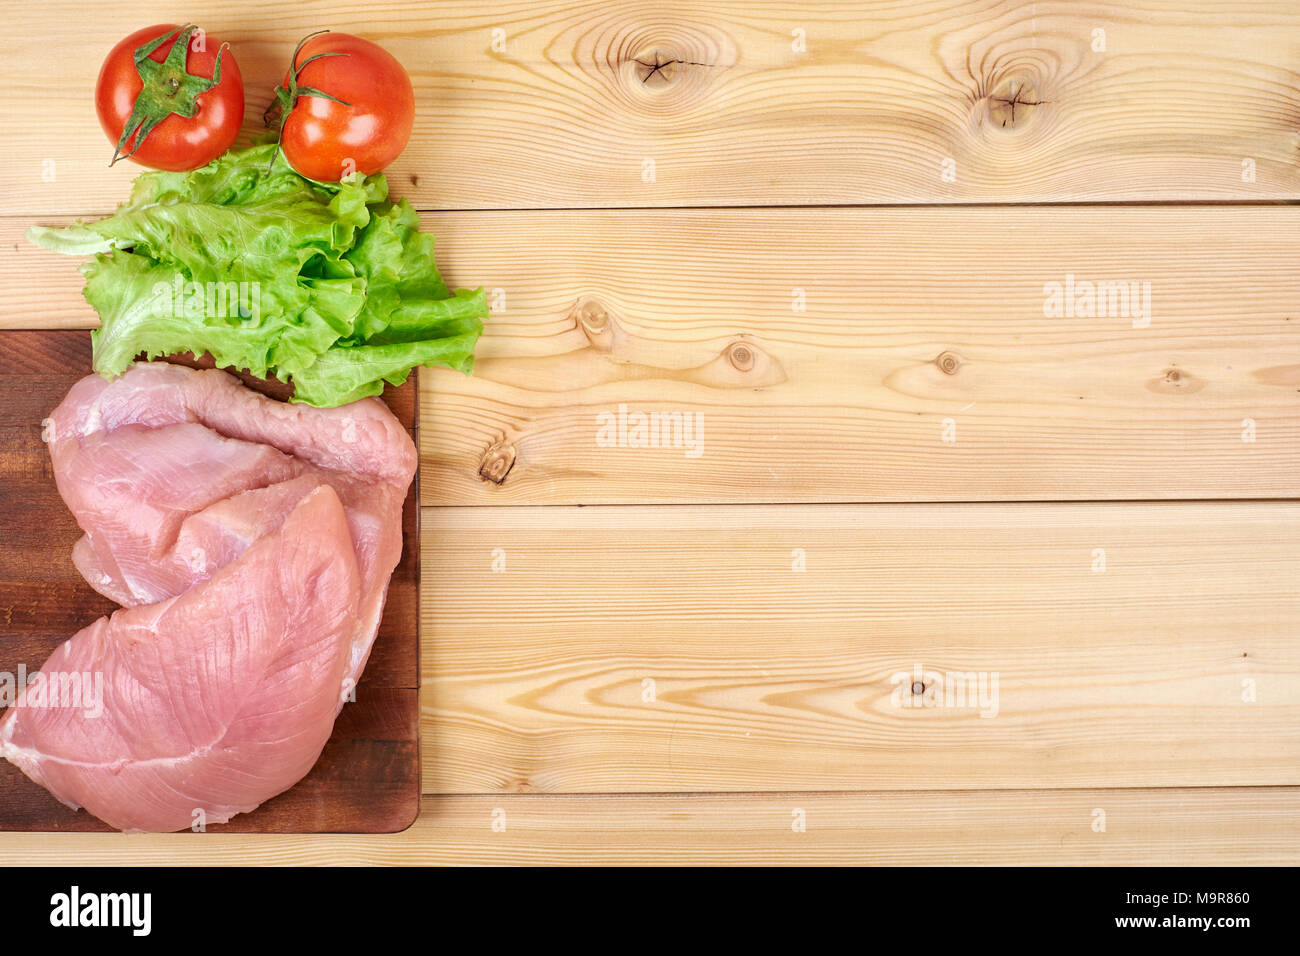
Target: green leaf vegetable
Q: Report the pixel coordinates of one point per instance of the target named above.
(329, 286)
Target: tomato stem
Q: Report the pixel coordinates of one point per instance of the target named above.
(286, 97)
(166, 88)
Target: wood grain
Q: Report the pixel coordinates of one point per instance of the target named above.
(916, 326)
(1249, 826)
(675, 649)
(368, 777)
(563, 104)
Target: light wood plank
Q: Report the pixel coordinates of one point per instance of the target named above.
(565, 110)
(39, 289)
(918, 325)
(1233, 827)
(675, 649)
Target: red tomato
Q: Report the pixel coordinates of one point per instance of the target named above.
(178, 141)
(325, 139)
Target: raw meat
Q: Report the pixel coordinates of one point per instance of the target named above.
(213, 701)
(157, 465)
(251, 543)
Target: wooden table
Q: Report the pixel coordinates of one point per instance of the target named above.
(838, 241)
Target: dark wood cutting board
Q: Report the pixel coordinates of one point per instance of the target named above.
(368, 778)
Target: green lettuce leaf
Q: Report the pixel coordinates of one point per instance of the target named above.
(329, 286)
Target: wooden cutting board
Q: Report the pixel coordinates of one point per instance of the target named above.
(368, 777)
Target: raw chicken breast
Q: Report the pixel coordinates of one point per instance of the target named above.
(212, 701)
(250, 543)
(172, 472)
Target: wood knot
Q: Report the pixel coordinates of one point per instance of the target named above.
(1014, 92)
(1174, 379)
(948, 362)
(1013, 102)
(590, 315)
(741, 356)
(497, 462)
(663, 67)
(658, 70)
(743, 363)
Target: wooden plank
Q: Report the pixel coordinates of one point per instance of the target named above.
(39, 289)
(640, 649)
(918, 325)
(1252, 826)
(368, 777)
(561, 104)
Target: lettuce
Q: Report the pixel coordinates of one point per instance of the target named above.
(329, 286)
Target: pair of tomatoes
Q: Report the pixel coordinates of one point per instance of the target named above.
(172, 98)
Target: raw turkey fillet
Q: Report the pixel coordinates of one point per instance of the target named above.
(213, 701)
(172, 472)
(251, 543)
